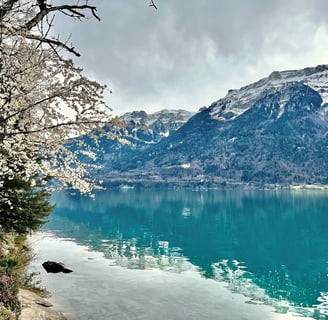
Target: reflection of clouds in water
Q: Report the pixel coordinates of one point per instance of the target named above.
(322, 307)
(159, 255)
(239, 280)
(265, 229)
(186, 212)
(98, 291)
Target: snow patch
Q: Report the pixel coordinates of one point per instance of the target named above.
(165, 134)
(239, 101)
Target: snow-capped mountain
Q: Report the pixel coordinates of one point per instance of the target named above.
(152, 127)
(271, 132)
(140, 131)
(238, 101)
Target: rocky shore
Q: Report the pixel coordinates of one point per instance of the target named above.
(35, 307)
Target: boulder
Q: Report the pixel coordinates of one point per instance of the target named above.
(55, 267)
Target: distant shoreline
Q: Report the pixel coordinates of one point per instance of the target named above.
(196, 185)
(310, 187)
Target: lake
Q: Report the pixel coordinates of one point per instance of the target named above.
(182, 254)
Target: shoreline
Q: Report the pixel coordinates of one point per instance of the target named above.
(36, 307)
(126, 293)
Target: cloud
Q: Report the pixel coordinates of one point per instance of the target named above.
(188, 53)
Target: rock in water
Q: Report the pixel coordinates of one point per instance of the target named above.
(55, 267)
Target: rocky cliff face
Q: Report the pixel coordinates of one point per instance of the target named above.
(274, 131)
(140, 131)
(153, 127)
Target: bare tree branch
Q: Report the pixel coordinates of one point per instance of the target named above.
(53, 42)
(152, 4)
(73, 11)
(42, 4)
(42, 39)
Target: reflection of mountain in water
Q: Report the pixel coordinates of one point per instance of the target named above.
(280, 236)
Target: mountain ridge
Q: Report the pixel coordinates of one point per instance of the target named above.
(315, 77)
(135, 131)
(271, 132)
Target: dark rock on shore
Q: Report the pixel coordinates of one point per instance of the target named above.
(55, 267)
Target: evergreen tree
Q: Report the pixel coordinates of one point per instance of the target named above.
(24, 208)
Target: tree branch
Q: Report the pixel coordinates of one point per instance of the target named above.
(42, 4)
(152, 4)
(6, 7)
(71, 10)
(2, 120)
(53, 42)
(55, 126)
(25, 34)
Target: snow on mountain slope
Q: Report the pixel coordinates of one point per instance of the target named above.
(155, 125)
(273, 132)
(166, 116)
(236, 102)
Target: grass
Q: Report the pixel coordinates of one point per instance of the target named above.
(15, 255)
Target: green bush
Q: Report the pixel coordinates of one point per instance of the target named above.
(9, 286)
(13, 260)
(8, 264)
(22, 208)
(6, 314)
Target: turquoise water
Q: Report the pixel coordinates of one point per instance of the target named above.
(262, 247)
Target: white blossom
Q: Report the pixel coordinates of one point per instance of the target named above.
(44, 99)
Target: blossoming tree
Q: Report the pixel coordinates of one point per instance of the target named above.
(44, 97)
(44, 100)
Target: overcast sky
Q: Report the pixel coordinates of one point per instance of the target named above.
(188, 53)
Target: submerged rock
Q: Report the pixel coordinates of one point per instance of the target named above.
(55, 267)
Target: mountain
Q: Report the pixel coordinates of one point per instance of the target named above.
(153, 127)
(271, 132)
(137, 131)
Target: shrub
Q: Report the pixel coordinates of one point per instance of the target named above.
(9, 286)
(6, 314)
(8, 264)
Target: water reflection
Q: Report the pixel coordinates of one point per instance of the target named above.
(280, 237)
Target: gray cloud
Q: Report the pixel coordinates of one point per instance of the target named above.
(190, 52)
